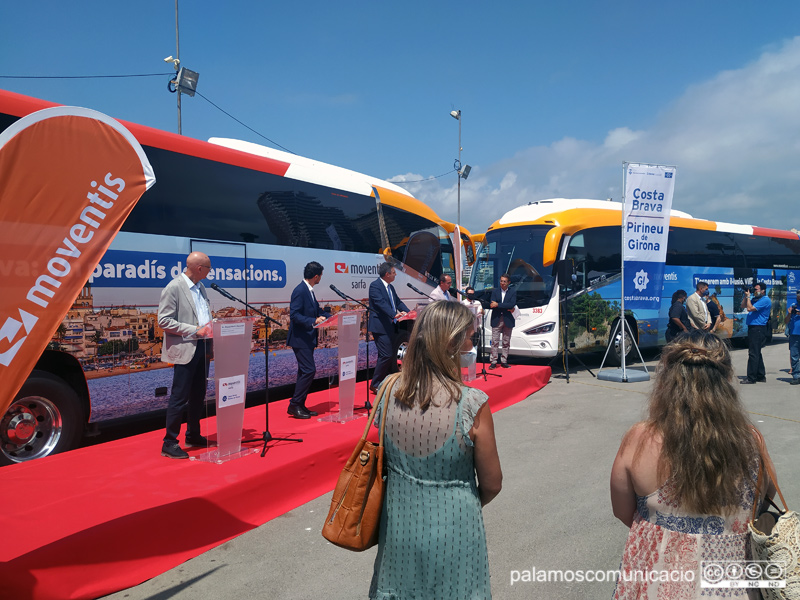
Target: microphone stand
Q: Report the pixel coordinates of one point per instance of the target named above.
(367, 403)
(481, 356)
(266, 436)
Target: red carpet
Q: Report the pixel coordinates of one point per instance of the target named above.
(104, 518)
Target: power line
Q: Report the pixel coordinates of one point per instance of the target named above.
(197, 93)
(81, 76)
(242, 124)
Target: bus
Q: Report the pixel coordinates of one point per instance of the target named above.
(261, 215)
(529, 241)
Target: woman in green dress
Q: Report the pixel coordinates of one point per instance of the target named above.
(439, 437)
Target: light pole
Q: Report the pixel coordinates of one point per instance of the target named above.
(456, 114)
(460, 173)
(185, 80)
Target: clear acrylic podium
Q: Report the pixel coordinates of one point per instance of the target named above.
(232, 341)
(349, 324)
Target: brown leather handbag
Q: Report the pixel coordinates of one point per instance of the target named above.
(355, 511)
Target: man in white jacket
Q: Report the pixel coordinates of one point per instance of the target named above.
(697, 309)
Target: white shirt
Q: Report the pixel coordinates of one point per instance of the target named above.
(200, 304)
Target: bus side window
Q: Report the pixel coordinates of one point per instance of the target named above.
(597, 255)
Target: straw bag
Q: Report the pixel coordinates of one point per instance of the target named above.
(355, 511)
(777, 543)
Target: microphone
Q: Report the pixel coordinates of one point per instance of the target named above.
(340, 294)
(418, 291)
(216, 288)
(463, 293)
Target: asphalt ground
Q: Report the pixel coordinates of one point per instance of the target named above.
(554, 513)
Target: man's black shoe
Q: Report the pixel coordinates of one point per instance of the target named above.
(504, 365)
(762, 380)
(313, 413)
(173, 451)
(794, 382)
(493, 366)
(748, 382)
(298, 412)
(197, 441)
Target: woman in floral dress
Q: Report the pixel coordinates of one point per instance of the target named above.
(684, 480)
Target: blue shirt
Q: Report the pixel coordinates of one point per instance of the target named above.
(760, 316)
(794, 322)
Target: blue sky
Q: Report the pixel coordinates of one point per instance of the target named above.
(554, 96)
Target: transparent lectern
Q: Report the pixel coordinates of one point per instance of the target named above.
(349, 330)
(232, 344)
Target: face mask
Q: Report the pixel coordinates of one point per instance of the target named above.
(705, 293)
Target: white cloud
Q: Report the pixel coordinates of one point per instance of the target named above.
(735, 140)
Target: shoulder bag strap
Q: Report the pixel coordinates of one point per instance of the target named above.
(385, 397)
(764, 467)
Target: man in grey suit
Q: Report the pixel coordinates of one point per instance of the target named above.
(185, 316)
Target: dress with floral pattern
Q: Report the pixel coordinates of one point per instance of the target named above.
(668, 548)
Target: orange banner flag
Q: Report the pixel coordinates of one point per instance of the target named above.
(69, 177)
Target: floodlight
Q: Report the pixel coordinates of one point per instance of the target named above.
(186, 82)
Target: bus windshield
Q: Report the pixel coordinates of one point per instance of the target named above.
(518, 252)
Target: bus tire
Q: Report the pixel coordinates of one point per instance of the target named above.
(44, 418)
(615, 343)
(401, 345)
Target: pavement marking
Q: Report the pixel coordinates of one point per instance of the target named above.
(773, 417)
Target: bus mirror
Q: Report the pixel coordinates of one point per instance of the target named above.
(565, 269)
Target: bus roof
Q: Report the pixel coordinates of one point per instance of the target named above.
(608, 212)
(251, 156)
(568, 216)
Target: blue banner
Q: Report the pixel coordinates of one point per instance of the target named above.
(133, 269)
(645, 232)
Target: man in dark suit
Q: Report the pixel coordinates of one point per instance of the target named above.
(502, 303)
(304, 313)
(185, 316)
(388, 307)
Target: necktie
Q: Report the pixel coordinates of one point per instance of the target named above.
(390, 289)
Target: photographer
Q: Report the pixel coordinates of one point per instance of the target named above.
(793, 327)
(757, 322)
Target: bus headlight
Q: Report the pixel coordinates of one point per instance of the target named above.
(540, 329)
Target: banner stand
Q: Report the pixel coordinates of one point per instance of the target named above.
(232, 344)
(623, 375)
(348, 323)
(646, 209)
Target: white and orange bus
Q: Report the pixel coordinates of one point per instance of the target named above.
(261, 215)
(527, 242)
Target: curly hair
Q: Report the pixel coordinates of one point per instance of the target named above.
(433, 358)
(708, 446)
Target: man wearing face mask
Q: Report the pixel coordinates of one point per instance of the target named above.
(757, 322)
(697, 309)
(472, 303)
(678, 319)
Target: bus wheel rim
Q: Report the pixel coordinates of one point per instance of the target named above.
(31, 428)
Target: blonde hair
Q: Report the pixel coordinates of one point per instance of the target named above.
(433, 358)
(708, 445)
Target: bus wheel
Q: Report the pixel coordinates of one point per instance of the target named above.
(401, 345)
(615, 354)
(45, 418)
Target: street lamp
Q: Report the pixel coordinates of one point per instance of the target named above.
(460, 173)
